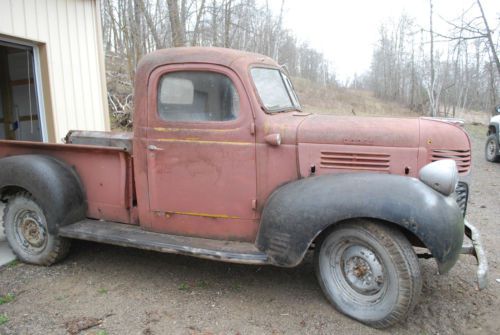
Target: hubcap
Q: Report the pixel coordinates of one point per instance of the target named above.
(362, 270)
(30, 231)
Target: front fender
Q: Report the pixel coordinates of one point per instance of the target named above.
(496, 130)
(296, 213)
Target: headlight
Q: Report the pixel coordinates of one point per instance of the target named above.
(441, 175)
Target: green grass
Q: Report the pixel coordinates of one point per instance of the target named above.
(13, 264)
(102, 291)
(202, 284)
(102, 332)
(7, 298)
(184, 287)
(3, 319)
(236, 287)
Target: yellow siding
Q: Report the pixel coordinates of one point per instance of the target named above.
(70, 31)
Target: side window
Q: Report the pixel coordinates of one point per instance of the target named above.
(197, 96)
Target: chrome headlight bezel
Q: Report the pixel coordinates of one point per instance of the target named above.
(441, 176)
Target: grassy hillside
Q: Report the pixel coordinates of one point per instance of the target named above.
(322, 99)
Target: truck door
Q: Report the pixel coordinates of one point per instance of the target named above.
(201, 153)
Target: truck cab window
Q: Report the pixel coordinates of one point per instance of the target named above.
(197, 96)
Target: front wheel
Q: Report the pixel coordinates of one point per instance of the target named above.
(369, 272)
(491, 149)
(26, 230)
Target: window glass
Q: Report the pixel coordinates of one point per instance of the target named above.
(271, 88)
(197, 96)
(290, 89)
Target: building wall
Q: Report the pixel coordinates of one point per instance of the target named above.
(68, 34)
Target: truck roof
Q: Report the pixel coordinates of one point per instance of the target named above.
(220, 56)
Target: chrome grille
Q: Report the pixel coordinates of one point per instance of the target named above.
(462, 194)
(461, 157)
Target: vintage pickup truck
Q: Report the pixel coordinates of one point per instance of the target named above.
(224, 164)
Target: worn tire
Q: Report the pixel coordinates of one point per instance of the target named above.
(26, 230)
(368, 271)
(491, 149)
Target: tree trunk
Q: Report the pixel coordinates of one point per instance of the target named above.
(490, 39)
(178, 33)
(199, 15)
(151, 25)
(432, 90)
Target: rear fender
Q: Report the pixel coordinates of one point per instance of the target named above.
(53, 184)
(296, 213)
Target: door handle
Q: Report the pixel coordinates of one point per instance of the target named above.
(153, 147)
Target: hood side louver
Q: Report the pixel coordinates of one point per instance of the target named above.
(461, 157)
(362, 161)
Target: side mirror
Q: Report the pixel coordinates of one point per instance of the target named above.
(497, 109)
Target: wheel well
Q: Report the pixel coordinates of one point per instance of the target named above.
(412, 238)
(491, 130)
(9, 191)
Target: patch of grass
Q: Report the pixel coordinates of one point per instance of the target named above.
(13, 264)
(236, 287)
(202, 284)
(184, 287)
(7, 298)
(102, 291)
(3, 319)
(101, 332)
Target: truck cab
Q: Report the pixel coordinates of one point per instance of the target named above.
(225, 164)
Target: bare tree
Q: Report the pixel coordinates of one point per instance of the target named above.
(178, 32)
(487, 32)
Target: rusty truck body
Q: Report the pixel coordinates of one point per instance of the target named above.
(224, 164)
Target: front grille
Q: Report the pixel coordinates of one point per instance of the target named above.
(461, 157)
(355, 161)
(462, 194)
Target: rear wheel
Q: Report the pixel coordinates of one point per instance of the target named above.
(26, 230)
(491, 149)
(369, 272)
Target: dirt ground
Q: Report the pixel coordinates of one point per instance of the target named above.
(127, 291)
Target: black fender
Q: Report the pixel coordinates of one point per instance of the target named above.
(54, 185)
(296, 213)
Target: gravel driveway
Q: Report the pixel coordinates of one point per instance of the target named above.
(126, 291)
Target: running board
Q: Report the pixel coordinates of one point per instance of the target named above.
(133, 236)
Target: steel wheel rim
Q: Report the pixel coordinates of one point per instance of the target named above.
(356, 269)
(30, 231)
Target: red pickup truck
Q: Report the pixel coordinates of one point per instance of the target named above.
(224, 164)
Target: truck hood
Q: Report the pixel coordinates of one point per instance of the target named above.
(495, 118)
(363, 131)
(336, 144)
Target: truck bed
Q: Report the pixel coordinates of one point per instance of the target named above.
(106, 173)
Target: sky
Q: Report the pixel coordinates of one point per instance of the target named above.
(345, 31)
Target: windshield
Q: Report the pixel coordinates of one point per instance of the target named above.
(275, 89)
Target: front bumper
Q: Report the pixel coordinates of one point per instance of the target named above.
(472, 245)
(475, 248)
